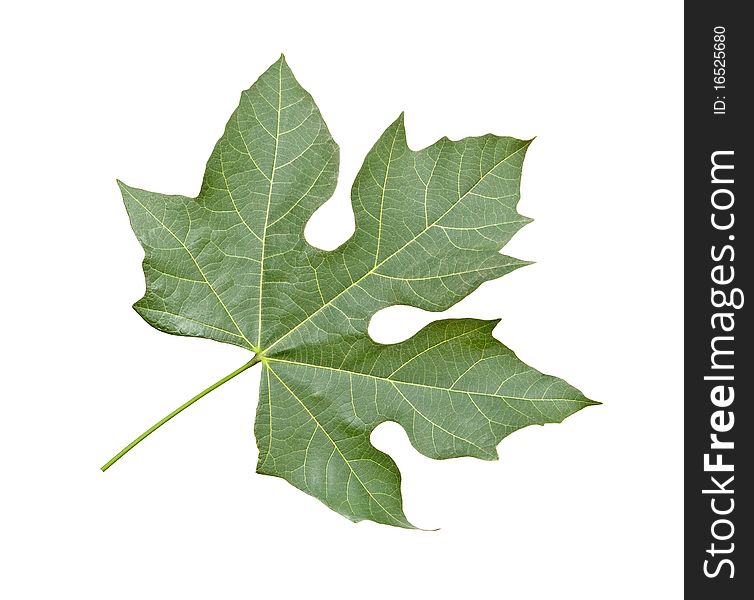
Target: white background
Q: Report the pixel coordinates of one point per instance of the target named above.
(590, 509)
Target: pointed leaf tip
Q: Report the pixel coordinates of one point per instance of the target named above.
(400, 121)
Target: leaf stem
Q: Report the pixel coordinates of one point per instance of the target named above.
(179, 410)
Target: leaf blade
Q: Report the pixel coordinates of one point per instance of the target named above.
(232, 265)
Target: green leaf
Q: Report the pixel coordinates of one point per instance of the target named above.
(233, 265)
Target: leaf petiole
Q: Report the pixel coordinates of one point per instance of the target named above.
(179, 410)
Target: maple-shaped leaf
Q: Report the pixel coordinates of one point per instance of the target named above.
(232, 265)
